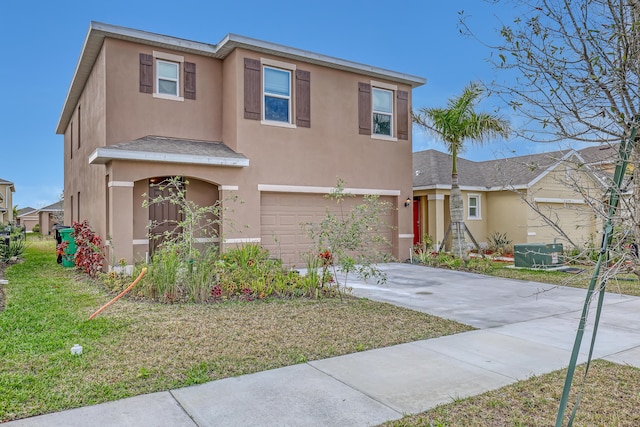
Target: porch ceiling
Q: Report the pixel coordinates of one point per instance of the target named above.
(170, 150)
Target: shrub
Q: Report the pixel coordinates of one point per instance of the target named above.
(36, 228)
(243, 273)
(89, 255)
(498, 242)
(352, 238)
(13, 250)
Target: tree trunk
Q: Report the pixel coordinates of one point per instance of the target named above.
(456, 211)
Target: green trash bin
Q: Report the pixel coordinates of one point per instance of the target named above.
(68, 258)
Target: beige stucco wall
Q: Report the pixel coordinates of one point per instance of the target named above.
(6, 204)
(558, 198)
(132, 114)
(506, 213)
(79, 176)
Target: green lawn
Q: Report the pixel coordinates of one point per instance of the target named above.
(137, 347)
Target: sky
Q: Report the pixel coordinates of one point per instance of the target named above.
(41, 41)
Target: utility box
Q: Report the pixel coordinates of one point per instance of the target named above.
(538, 255)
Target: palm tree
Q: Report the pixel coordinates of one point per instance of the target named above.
(456, 124)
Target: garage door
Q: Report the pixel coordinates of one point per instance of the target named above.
(576, 220)
(282, 216)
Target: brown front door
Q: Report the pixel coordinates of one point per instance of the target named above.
(163, 215)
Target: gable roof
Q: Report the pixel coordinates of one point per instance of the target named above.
(8, 183)
(98, 31)
(600, 154)
(26, 211)
(54, 207)
(432, 169)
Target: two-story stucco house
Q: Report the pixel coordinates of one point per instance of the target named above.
(272, 125)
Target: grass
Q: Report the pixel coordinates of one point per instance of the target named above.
(137, 347)
(627, 284)
(611, 398)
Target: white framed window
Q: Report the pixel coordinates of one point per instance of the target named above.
(473, 206)
(167, 78)
(276, 94)
(382, 111)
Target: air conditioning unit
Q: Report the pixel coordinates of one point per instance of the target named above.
(538, 255)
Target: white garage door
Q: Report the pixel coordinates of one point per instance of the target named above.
(282, 216)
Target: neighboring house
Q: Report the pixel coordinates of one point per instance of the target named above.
(273, 125)
(46, 217)
(49, 216)
(6, 202)
(27, 218)
(512, 196)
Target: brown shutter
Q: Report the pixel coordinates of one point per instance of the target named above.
(303, 98)
(251, 89)
(189, 80)
(403, 114)
(364, 108)
(146, 73)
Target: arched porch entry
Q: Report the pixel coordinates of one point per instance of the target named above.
(173, 202)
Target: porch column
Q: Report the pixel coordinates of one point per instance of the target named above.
(436, 217)
(120, 222)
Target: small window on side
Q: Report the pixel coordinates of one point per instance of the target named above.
(473, 207)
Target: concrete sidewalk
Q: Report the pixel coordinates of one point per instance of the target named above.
(525, 329)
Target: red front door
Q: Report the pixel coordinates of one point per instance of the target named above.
(416, 221)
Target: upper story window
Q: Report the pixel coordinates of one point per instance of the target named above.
(167, 81)
(473, 206)
(277, 94)
(382, 112)
(167, 76)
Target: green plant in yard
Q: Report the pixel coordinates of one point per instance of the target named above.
(480, 265)
(247, 273)
(498, 242)
(353, 239)
(13, 250)
(181, 266)
(422, 250)
(89, 255)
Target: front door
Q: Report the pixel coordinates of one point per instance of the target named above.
(416, 221)
(163, 215)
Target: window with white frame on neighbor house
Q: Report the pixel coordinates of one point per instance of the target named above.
(382, 110)
(167, 78)
(473, 203)
(277, 94)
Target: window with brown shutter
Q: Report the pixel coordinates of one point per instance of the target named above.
(251, 89)
(303, 98)
(146, 73)
(403, 114)
(364, 108)
(189, 80)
